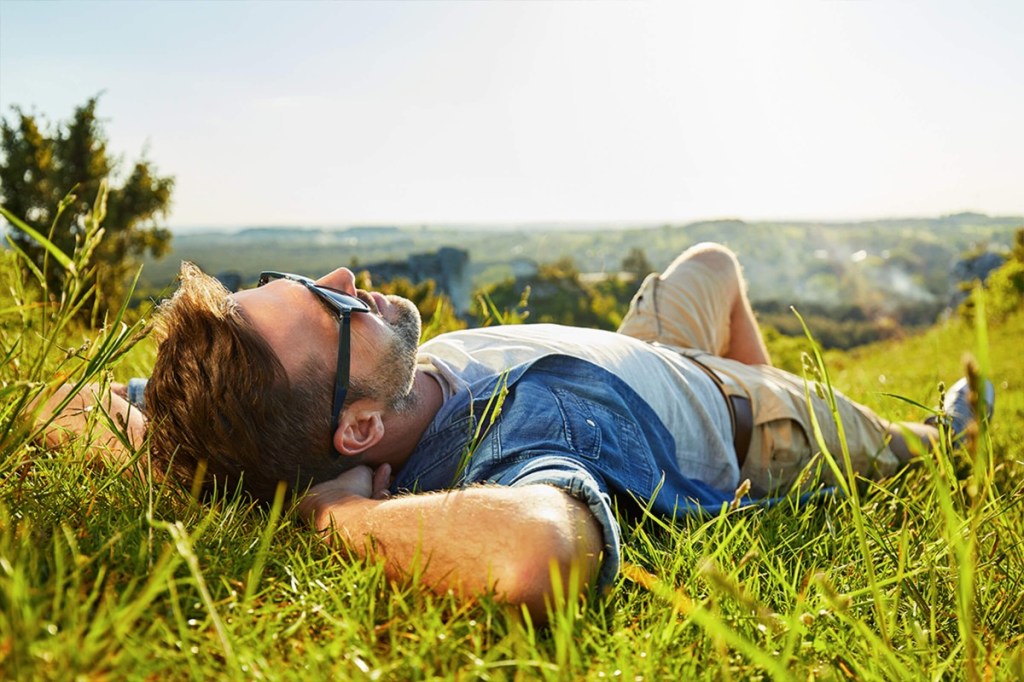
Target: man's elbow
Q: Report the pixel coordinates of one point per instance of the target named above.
(557, 564)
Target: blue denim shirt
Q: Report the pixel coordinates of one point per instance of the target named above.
(564, 422)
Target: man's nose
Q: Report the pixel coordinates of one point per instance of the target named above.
(341, 279)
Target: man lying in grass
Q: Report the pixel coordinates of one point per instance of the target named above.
(489, 460)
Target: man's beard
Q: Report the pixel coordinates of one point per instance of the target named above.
(392, 383)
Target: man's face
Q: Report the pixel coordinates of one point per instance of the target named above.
(301, 330)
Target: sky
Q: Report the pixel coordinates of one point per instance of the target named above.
(341, 113)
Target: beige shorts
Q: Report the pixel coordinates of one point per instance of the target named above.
(688, 307)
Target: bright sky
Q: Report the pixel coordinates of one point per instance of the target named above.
(331, 113)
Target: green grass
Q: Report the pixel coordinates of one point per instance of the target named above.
(920, 577)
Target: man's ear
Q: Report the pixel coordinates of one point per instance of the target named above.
(360, 427)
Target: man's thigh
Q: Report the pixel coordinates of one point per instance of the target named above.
(689, 304)
(787, 450)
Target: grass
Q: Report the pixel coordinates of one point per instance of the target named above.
(107, 577)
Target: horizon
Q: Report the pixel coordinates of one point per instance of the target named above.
(580, 225)
(330, 114)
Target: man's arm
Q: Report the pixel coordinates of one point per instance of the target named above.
(78, 418)
(500, 540)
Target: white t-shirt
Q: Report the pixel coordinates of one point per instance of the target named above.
(689, 404)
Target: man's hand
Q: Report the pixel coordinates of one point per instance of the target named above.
(80, 418)
(358, 482)
(120, 390)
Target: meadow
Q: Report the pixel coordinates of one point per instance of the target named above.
(107, 576)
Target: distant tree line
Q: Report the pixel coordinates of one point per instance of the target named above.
(558, 293)
(847, 325)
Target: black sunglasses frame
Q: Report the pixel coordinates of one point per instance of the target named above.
(343, 305)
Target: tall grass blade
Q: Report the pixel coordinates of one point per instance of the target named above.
(58, 255)
(256, 572)
(848, 475)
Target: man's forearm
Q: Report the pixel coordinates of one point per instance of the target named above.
(499, 540)
(79, 417)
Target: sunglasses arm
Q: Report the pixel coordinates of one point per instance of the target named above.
(341, 383)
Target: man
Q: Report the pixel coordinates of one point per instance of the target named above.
(516, 441)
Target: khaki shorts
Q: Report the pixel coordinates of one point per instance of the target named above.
(688, 307)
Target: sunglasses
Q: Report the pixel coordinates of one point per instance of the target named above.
(342, 305)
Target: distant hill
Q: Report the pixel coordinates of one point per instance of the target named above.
(874, 263)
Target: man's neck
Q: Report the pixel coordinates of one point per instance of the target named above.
(403, 431)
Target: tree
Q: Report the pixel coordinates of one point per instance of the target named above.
(1017, 251)
(636, 263)
(1002, 288)
(558, 294)
(38, 167)
(1006, 285)
(436, 309)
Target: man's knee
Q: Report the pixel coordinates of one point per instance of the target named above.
(714, 255)
(719, 260)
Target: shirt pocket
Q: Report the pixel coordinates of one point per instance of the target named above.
(612, 442)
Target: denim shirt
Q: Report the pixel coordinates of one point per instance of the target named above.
(565, 422)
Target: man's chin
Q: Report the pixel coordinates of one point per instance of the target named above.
(402, 314)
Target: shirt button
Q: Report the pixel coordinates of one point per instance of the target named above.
(591, 422)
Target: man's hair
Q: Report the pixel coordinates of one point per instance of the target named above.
(221, 405)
